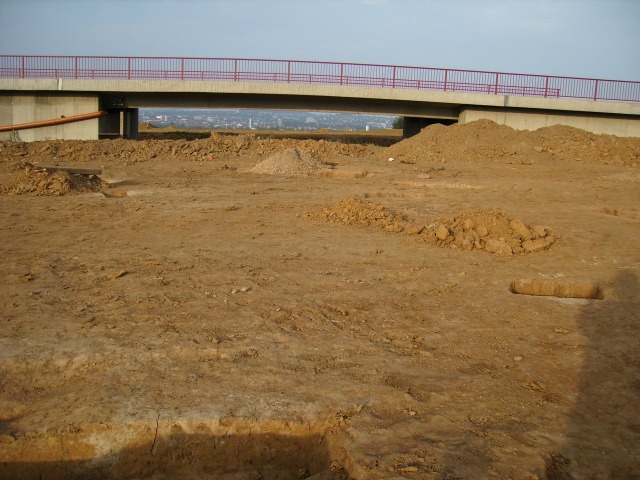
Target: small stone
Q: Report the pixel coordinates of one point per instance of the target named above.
(442, 232)
(538, 149)
(468, 224)
(520, 228)
(536, 245)
(119, 274)
(410, 469)
(518, 358)
(498, 247)
(7, 439)
(482, 231)
(414, 230)
(539, 230)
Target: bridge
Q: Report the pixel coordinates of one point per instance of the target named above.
(41, 97)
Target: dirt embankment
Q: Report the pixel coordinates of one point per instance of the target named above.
(215, 147)
(485, 141)
(481, 141)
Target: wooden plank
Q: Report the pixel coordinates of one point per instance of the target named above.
(71, 170)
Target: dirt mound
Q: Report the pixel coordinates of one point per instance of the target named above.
(33, 181)
(486, 141)
(289, 162)
(217, 146)
(482, 141)
(352, 211)
(490, 230)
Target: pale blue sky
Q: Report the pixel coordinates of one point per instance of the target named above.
(585, 38)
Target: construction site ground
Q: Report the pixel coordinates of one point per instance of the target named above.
(353, 317)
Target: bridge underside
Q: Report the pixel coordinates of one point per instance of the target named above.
(23, 101)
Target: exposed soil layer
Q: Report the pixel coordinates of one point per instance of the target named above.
(290, 162)
(464, 304)
(490, 229)
(33, 181)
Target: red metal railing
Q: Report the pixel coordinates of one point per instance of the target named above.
(326, 73)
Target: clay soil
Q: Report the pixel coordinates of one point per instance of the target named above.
(189, 318)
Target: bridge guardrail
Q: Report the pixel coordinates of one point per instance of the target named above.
(325, 73)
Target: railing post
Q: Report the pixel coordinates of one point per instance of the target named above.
(235, 70)
(288, 71)
(595, 93)
(75, 68)
(22, 68)
(182, 69)
(341, 72)
(393, 84)
(129, 68)
(497, 77)
(546, 86)
(446, 78)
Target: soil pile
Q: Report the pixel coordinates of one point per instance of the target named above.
(486, 141)
(352, 211)
(480, 141)
(135, 151)
(40, 183)
(291, 162)
(490, 230)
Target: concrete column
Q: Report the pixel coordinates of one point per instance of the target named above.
(120, 123)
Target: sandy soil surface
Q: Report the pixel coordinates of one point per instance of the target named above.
(353, 317)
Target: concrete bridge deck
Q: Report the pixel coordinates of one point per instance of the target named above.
(528, 105)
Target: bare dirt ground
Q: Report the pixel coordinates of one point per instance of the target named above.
(352, 317)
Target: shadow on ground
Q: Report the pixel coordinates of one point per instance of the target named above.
(182, 456)
(603, 438)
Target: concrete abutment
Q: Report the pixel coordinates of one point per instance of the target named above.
(529, 119)
(17, 108)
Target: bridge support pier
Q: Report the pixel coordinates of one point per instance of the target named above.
(119, 123)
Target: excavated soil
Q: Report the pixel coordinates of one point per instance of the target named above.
(33, 181)
(290, 162)
(464, 304)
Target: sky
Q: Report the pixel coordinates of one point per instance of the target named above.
(576, 38)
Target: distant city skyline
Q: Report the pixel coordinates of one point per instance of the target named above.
(581, 38)
(261, 119)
